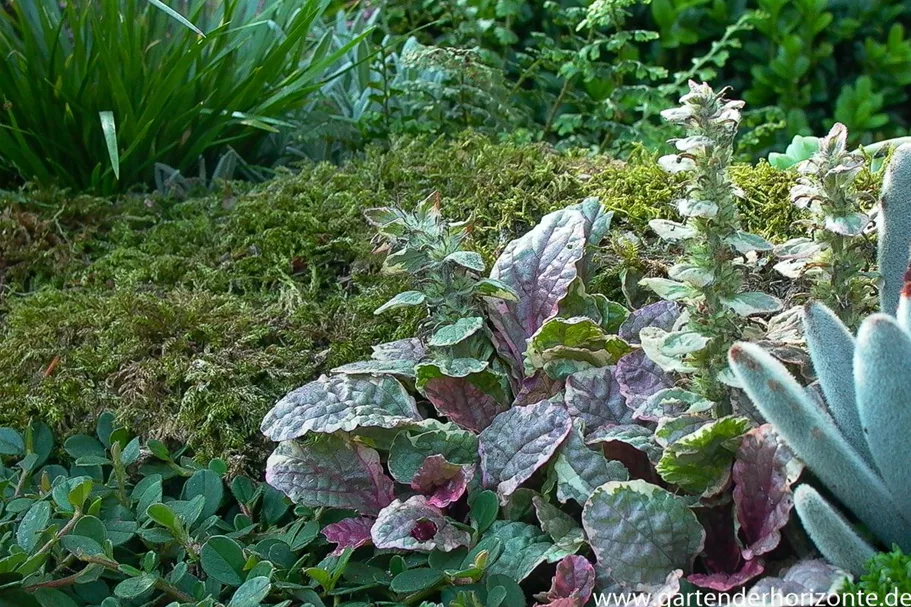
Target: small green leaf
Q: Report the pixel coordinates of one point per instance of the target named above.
(251, 593)
(80, 493)
(223, 559)
(33, 524)
(11, 442)
(135, 587)
(484, 509)
(402, 300)
(415, 580)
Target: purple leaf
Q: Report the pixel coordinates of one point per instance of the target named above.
(594, 395)
(463, 402)
(639, 377)
(330, 471)
(662, 315)
(518, 442)
(348, 533)
(724, 582)
(574, 582)
(762, 494)
(539, 266)
(536, 388)
(727, 569)
(416, 525)
(440, 481)
(812, 576)
(633, 446)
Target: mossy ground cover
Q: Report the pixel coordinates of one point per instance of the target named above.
(190, 318)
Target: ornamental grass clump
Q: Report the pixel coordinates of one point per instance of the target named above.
(830, 255)
(710, 279)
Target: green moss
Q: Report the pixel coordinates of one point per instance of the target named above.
(189, 319)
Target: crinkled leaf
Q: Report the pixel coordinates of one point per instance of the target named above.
(814, 576)
(539, 266)
(416, 525)
(662, 314)
(472, 401)
(448, 367)
(536, 388)
(410, 449)
(672, 429)
(597, 220)
(578, 333)
(580, 470)
(561, 527)
(440, 481)
(725, 567)
(640, 533)
(691, 274)
(593, 395)
(348, 533)
(700, 462)
(467, 259)
(460, 330)
(753, 302)
(404, 299)
(616, 441)
(330, 471)
(340, 403)
(671, 230)
(670, 350)
(762, 489)
(574, 580)
(523, 547)
(639, 378)
(671, 402)
(398, 368)
(609, 314)
(518, 442)
(670, 289)
(411, 349)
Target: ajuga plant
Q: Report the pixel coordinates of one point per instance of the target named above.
(830, 255)
(114, 521)
(856, 444)
(709, 280)
(530, 437)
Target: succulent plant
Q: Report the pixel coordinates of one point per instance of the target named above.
(856, 444)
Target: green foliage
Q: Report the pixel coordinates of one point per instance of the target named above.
(799, 62)
(115, 517)
(97, 93)
(885, 574)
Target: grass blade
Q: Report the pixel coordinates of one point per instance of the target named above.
(174, 14)
(110, 137)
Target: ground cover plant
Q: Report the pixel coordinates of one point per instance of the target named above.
(189, 318)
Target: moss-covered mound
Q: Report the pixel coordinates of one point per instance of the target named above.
(190, 318)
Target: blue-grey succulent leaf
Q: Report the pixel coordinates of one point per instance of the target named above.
(895, 228)
(833, 535)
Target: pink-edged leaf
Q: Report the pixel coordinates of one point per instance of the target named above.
(440, 481)
(724, 582)
(416, 525)
(348, 533)
(574, 581)
(594, 396)
(539, 267)
(810, 576)
(330, 471)
(518, 442)
(662, 314)
(463, 402)
(639, 377)
(762, 493)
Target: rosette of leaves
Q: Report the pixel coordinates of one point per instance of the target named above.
(709, 280)
(830, 255)
(562, 443)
